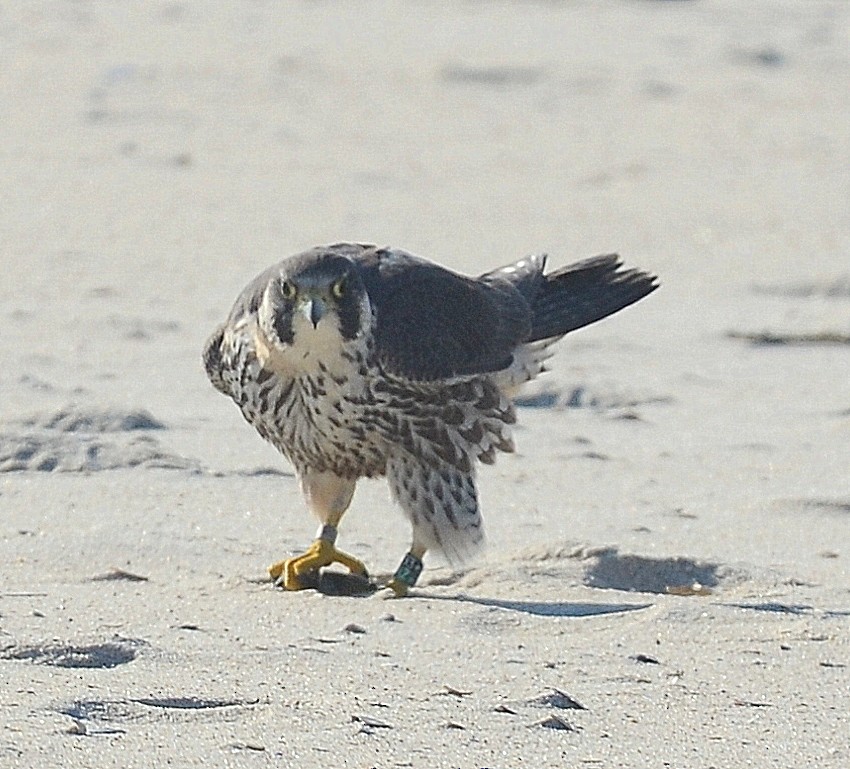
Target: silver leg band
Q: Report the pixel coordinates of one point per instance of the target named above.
(327, 533)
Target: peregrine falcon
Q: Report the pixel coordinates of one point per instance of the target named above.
(357, 361)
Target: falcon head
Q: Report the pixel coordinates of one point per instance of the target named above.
(314, 305)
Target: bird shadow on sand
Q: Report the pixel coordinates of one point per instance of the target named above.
(339, 584)
(541, 608)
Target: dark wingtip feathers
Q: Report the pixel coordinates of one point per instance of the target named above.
(585, 292)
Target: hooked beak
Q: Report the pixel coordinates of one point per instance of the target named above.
(313, 309)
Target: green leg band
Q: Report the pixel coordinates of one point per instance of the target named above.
(409, 570)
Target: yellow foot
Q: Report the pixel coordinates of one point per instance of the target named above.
(321, 553)
(399, 588)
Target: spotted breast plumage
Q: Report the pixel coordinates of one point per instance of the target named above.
(357, 361)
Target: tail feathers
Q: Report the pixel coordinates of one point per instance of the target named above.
(584, 293)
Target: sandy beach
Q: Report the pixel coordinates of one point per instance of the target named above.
(667, 576)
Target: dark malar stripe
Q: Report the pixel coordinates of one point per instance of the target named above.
(348, 310)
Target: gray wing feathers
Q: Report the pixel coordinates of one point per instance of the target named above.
(436, 324)
(526, 276)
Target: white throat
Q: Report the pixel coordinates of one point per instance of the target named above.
(311, 344)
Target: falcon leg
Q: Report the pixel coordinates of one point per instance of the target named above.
(291, 572)
(328, 497)
(407, 572)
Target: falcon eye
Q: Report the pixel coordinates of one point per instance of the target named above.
(287, 289)
(338, 289)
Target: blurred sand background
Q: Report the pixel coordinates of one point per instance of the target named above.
(668, 549)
